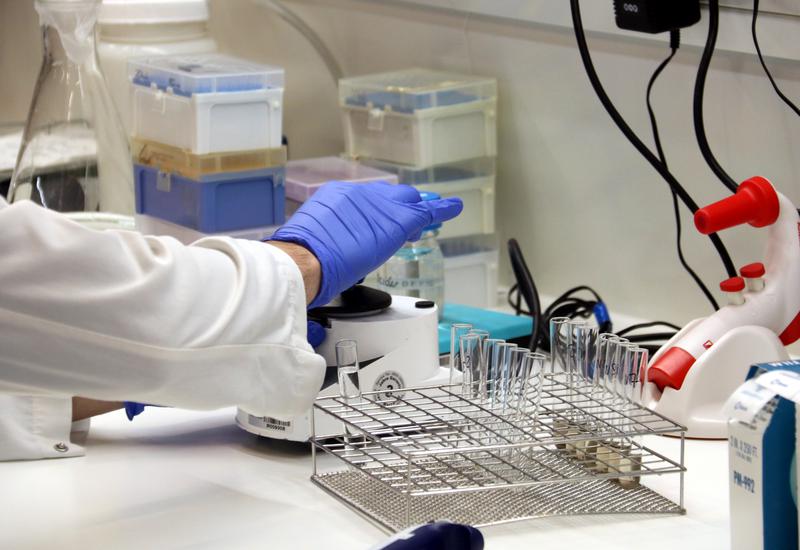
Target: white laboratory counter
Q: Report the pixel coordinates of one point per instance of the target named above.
(179, 479)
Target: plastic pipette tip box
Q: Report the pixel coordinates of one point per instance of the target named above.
(442, 173)
(500, 325)
(226, 203)
(411, 90)
(419, 117)
(304, 177)
(199, 167)
(187, 75)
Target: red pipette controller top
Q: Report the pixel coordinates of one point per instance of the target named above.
(755, 202)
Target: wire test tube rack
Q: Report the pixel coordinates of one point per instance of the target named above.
(431, 453)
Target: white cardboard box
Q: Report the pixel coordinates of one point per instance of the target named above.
(762, 446)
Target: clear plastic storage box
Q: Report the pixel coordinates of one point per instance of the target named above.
(419, 116)
(224, 202)
(304, 177)
(187, 75)
(470, 270)
(472, 180)
(181, 161)
(206, 103)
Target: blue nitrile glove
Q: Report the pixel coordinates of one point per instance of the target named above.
(133, 409)
(352, 228)
(441, 535)
(315, 334)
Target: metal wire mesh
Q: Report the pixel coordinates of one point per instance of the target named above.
(395, 512)
(575, 449)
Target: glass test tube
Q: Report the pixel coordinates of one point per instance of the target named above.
(616, 357)
(456, 331)
(517, 378)
(531, 381)
(469, 346)
(486, 385)
(630, 450)
(558, 336)
(347, 370)
(478, 381)
(604, 344)
(585, 351)
(498, 373)
(572, 363)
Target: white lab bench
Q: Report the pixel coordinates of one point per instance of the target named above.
(180, 479)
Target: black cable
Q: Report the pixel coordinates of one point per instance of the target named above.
(778, 91)
(699, 90)
(634, 139)
(674, 39)
(653, 336)
(674, 44)
(568, 305)
(639, 326)
(569, 293)
(527, 288)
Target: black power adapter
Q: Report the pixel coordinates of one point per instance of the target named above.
(655, 16)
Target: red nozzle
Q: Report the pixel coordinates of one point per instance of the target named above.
(671, 368)
(755, 202)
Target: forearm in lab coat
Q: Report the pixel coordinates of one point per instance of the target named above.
(114, 315)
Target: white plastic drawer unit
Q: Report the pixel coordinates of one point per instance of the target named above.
(470, 270)
(206, 103)
(472, 180)
(419, 116)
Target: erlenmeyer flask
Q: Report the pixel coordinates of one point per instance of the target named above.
(74, 155)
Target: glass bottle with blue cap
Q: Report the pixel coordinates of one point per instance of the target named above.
(417, 269)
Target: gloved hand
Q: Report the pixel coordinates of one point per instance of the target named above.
(352, 228)
(315, 334)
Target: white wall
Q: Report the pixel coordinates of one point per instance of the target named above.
(584, 205)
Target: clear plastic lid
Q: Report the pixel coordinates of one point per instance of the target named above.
(179, 161)
(203, 73)
(414, 89)
(304, 177)
(442, 173)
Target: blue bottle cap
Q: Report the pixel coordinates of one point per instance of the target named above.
(430, 196)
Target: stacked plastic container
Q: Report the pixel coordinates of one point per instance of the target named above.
(437, 131)
(304, 177)
(207, 146)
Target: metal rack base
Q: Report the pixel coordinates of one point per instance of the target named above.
(480, 508)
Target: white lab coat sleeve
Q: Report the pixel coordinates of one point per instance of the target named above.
(36, 427)
(115, 315)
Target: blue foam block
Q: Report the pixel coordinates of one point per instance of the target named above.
(499, 325)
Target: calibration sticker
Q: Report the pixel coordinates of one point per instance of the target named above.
(387, 384)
